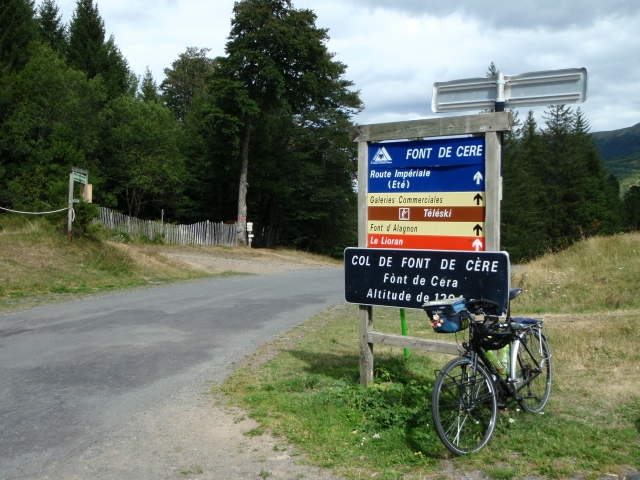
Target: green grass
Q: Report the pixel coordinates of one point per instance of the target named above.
(39, 265)
(305, 386)
(599, 274)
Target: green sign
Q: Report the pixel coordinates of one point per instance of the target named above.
(79, 177)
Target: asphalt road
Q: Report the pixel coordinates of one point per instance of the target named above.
(71, 373)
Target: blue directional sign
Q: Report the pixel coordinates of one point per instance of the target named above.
(407, 169)
(427, 153)
(461, 178)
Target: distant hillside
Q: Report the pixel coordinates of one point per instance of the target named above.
(620, 150)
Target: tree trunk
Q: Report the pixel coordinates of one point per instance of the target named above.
(272, 236)
(241, 226)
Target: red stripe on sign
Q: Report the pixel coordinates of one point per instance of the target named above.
(426, 242)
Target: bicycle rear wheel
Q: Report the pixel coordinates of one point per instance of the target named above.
(533, 371)
(464, 406)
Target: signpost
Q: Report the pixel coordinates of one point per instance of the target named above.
(81, 176)
(438, 194)
(450, 200)
(550, 87)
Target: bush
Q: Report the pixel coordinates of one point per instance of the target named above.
(85, 214)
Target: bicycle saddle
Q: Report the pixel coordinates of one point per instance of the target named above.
(514, 292)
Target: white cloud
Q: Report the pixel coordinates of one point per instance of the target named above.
(396, 49)
(524, 14)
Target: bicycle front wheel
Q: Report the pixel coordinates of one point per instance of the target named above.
(464, 406)
(533, 371)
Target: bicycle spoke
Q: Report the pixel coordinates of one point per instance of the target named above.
(464, 407)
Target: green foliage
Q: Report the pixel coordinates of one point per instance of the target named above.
(556, 188)
(280, 98)
(392, 400)
(85, 213)
(149, 88)
(144, 165)
(50, 27)
(87, 50)
(17, 31)
(631, 208)
(51, 121)
(186, 80)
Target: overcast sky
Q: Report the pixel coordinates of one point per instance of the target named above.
(396, 49)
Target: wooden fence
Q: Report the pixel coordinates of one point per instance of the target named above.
(203, 233)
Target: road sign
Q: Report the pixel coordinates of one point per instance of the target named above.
(427, 199)
(408, 278)
(442, 190)
(549, 87)
(79, 177)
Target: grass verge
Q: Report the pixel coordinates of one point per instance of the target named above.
(38, 265)
(305, 385)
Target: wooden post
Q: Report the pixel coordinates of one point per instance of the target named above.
(366, 348)
(493, 191)
(366, 312)
(70, 211)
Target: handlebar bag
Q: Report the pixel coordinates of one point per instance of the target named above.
(452, 315)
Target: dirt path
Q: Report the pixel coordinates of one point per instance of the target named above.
(254, 261)
(191, 437)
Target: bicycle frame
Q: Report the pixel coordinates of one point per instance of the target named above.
(511, 385)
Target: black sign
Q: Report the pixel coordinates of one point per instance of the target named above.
(409, 278)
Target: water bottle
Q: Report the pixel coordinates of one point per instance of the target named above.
(500, 359)
(503, 357)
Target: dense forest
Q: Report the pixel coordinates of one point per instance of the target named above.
(259, 135)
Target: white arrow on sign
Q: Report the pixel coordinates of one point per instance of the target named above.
(478, 178)
(550, 87)
(477, 244)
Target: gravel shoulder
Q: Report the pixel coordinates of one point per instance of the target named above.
(252, 261)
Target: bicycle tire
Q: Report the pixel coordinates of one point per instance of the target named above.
(533, 371)
(464, 406)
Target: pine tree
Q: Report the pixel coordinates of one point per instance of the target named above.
(116, 74)
(86, 50)
(17, 30)
(50, 26)
(561, 178)
(187, 80)
(523, 231)
(149, 88)
(599, 211)
(492, 70)
(631, 208)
